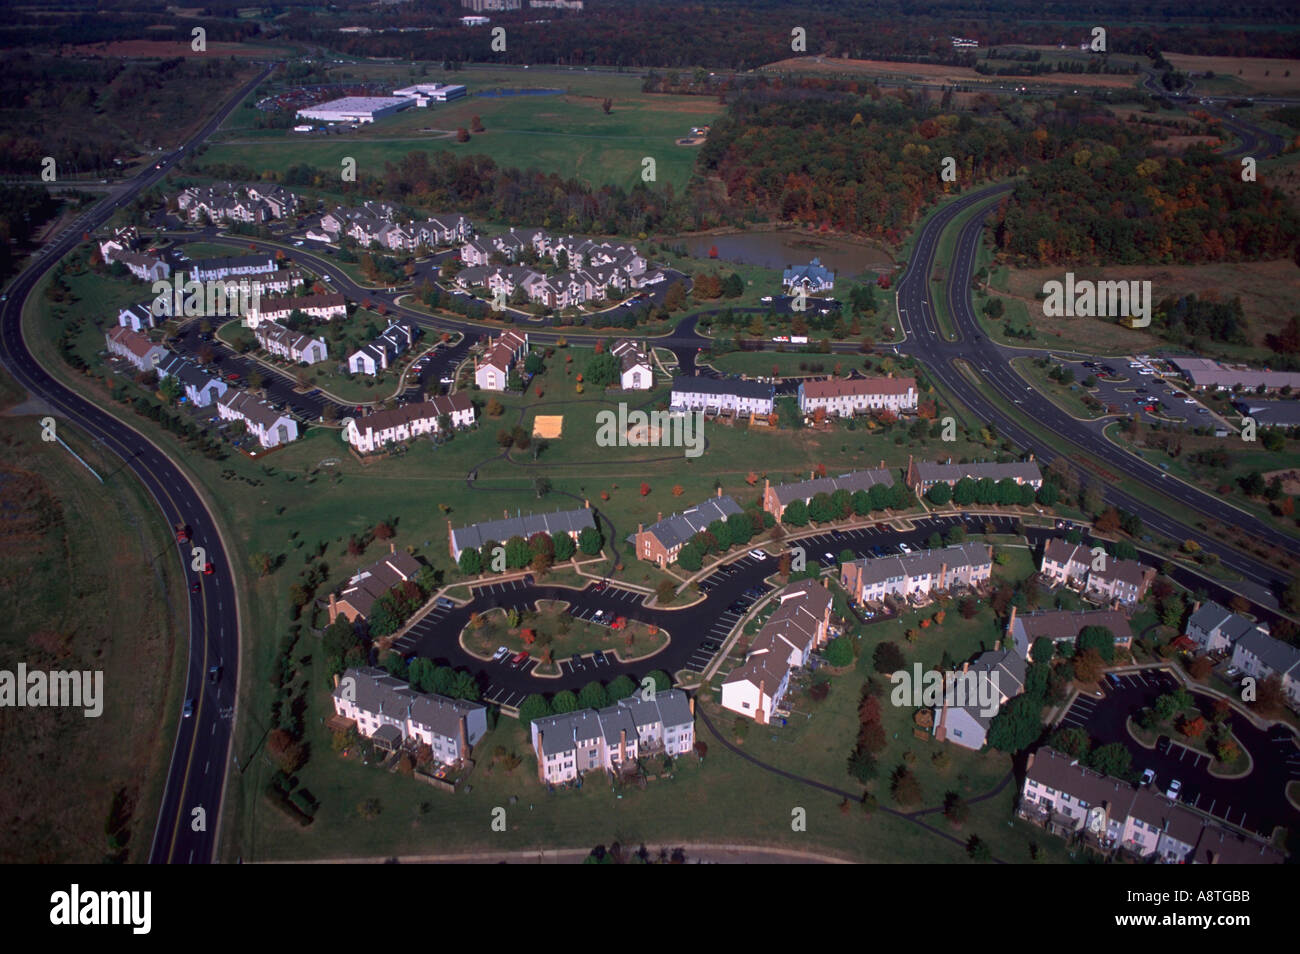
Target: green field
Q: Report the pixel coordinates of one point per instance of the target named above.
(566, 134)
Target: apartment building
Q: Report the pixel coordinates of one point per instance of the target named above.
(229, 203)
(1064, 626)
(380, 354)
(777, 497)
(798, 627)
(966, 721)
(1259, 655)
(915, 576)
(289, 344)
(139, 317)
(924, 474)
(134, 348)
(572, 744)
(391, 713)
(375, 431)
(147, 268)
(201, 388)
(357, 597)
(234, 266)
(845, 397)
(662, 541)
(473, 536)
(1125, 581)
(722, 395)
(1113, 816)
(635, 372)
(492, 370)
(1065, 563)
(1216, 629)
(271, 427)
(319, 307)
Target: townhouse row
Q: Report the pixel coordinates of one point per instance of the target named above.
(1257, 654)
(571, 744)
(392, 714)
(226, 202)
(473, 536)
(662, 541)
(376, 431)
(381, 225)
(916, 576)
(1099, 577)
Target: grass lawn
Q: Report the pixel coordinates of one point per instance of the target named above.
(1068, 398)
(559, 636)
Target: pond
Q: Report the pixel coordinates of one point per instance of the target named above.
(782, 249)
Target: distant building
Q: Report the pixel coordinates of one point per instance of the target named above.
(1270, 413)
(492, 371)
(200, 388)
(357, 597)
(426, 93)
(134, 348)
(291, 345)
(320, 307)
(271, 427)
(924, 474)
(356, 109)
(915, 576)
(1204, 373)
(146, 268)
(216, 269)
(777, 497)
(635, 372)
(811, 277)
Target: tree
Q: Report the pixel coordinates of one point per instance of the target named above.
(590, 541)
(796, 514)
(1113, 759)
(888, 658)
(1017, 724)
(593, 696)
(534, 707)
(621, 687)
(939, 495)
(661, 680)
(462, 134)
(563, 546)
(470, 562)
(564, 701)
(839, 652)
(1100, 639)
(603, 370)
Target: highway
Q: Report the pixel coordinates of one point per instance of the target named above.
(197, 769)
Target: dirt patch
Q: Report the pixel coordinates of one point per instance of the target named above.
(643, 435)
(548, 426)
(1290, 480)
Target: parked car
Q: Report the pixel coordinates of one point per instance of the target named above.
(518, 658)
(443, 603)
(904, 548)
(1148, 776)
(758, 554)
(501, 653)
(576, 660)
(1174, 788)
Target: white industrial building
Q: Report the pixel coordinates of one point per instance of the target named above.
(424, 93)
(355, 109)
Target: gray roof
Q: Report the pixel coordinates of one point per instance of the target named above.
(1010, 670)
(1272, 413)
(615, 720)
(677, 528)
(672, 708)
(930, 472)
(379, 692)
(1276, 655)
(879, 569)
(702, 385)
(561, 521)
(234, 261)
(857, 480)
(1212, 616)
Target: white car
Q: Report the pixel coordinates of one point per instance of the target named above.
(765, 299)
(1174, 788)
(1148, 776)
(758, 554)
(904, 548)
(501, 653)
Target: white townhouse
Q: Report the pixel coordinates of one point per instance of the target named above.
(968, 724)
(1216, 629)
(917, 575)
(492, 371)
(635, 372)
(1124, 580)
(291, 345)
(217, 269)
(476, 253)
(716, 395)
(391, 713)
(271, 427)
(230, 203)
(146, 268)
(138, 317)
(1065, 563)
(319, 307)
(845, 397)
(798, 627)
(134, 348)
(572, 744)
(379, 354)
(370, 433)
(282, 281)
(1259, 655)
(201, 389)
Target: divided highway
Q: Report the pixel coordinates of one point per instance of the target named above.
(197, 770)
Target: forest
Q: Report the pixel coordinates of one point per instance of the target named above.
(1115, 206)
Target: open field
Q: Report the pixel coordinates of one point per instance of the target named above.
(167, 49)
(1273, 77)
(1268, 292)
(567, 134)
(63, 558)
(942, 73)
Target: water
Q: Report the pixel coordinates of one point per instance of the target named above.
(781, 250)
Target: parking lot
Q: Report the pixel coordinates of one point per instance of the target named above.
(1127, 390)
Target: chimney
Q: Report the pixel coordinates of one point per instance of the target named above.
(719, 493)
(464, 739)
(541, 759)
(997, 644)
(1031, 455)
(505, 514)
(334, 607)
(336, 680)
(586, 503)
(965, 667)
(659, 518)
(622, 745)
(392, 547)
(766, 484)
(1196, 606)
(691, 703)
(1011, 620)
(640, 529)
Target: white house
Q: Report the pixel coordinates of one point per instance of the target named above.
(146, 268)
(137, 317)
(390, 712)
(716, 395)
(635, 374)
(290, 345)
(492, 371)
(320, 307)
(916, 575)
(572, 744)
(379, 354)
(134, 348)
(200, 388)
(844, 397)
(271, 427)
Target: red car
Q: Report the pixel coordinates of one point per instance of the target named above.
(232, 376)
(598, 585)
(208, 568)
(618, 623)
(519, 657)
(182, 533)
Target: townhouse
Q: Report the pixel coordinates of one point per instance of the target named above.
(1259, 655)
(139, 317)
(124, 238)
(924, 474)
(798, 627)
(589, 268)
(357, 597)
(391, 713)
(380, 354)
(777, 498)
(915, 576)
(722, 395)
(845, 397)
(319, 307)
(1111, 815)
(1126, 581)
(1215, 629)
(572, 744)
(282, 281)
(635, 372)
(233, 266)
(662, 541)
(271, 427)
(201, 389)
(147, 268)
(812, 277)
(475, 535)
(1065, 563)
(960, 718)
(229, 203)
(374, 431)
(134, 348)
(1064, 626)
(377, 224)
(289, 344)
(492, 370)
